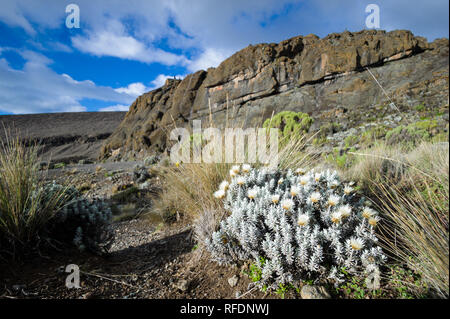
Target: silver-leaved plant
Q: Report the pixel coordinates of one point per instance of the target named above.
(301, 224)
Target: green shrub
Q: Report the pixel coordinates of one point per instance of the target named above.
(59, 165)
(374, 134)
(420, 107)
(290, 124)
(413, 133)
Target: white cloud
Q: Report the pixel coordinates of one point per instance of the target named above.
(12, 16)
(37, 89)
(134, 29)
(134, 89)
(209, 58)
(161, 79)
(61, 47)
(115, 108)
(115, 42)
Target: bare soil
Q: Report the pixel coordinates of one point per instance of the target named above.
(148, 259)
(144, 262)
(64, 137)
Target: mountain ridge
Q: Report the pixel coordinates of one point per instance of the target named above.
(295, 74)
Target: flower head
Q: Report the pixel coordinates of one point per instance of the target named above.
(246, 168)
(356, 243)
(219, 194)
(315, 197)
(334, 184)
(300, 171)
(317, 177)
(336, 217)
(304, 180)
(235, 169)
(240, 180)
(280, 181)
(373, 221)
(224, 185)
(232, 173)
(294, 191)
(333, 200)
(303, 220)
(275, 199)
(348, 189)
(345, 211)
(368, 212)
(252, 193)
(287, 203)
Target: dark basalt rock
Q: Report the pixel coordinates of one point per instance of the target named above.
(321, 77)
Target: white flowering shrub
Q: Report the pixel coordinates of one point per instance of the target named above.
(84, 223)
(299, 224)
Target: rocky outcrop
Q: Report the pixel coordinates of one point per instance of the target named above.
(331, 79)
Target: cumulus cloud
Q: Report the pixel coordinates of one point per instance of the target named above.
(115, 108)
(134, 29)
(106, 43)
(43, 90)
(209, 58)
(161, 79)
(134, 89)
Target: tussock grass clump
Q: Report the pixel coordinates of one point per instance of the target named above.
(411, 189)
(187, 189)
(35, 214)
(23, 210)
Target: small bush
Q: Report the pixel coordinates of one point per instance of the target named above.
(412, 134)
(290, 124)
(83, 223)
(301, 225)
(35, 214)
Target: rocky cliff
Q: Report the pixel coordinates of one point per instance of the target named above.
(351, 78)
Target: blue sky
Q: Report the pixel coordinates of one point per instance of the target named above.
(124, 48)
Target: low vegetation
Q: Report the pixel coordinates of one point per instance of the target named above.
(290, 124)
(366, 220)
(402, 173)
(35, 214)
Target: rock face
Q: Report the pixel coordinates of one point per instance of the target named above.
(330, 79)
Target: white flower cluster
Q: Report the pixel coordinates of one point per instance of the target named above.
(303, 224)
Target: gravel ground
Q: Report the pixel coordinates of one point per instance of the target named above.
(144, 262)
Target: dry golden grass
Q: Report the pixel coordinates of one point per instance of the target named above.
(188, 189)
(23, 210)
(410, 188)
(411, 191)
